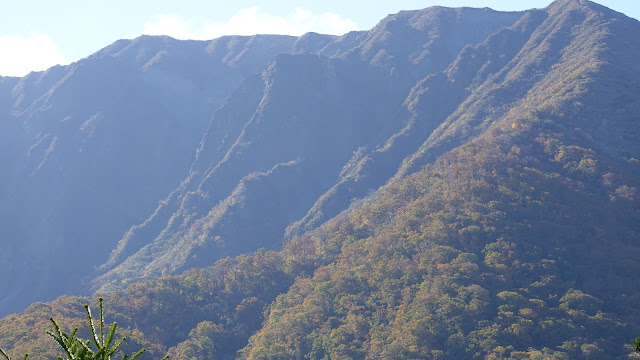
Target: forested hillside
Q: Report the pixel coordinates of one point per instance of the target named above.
(452, 184)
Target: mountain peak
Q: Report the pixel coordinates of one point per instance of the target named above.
(569, 5)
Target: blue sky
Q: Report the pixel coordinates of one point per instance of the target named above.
(37, 34)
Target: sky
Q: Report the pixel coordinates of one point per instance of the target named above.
(37, 34)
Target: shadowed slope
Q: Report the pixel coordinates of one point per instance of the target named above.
(314, 113)
(89, 148)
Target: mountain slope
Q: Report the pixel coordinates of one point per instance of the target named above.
(314, 113)
(509, 231)
(517, 244)
(89, 148)
(429, 103)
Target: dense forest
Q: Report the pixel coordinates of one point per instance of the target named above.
(452, 184)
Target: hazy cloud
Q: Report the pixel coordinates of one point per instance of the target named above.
(249, 22)
(20, 55)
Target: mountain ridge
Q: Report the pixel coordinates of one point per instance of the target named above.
(491, 204)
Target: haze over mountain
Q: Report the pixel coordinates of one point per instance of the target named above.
(89, 149)
(453, 183)
(287, 137)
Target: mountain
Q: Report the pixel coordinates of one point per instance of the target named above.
(452, 184)
(288, 137)
(90, 148)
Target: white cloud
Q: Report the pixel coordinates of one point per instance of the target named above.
(251, 21)
(21, 54)
(173, 26)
